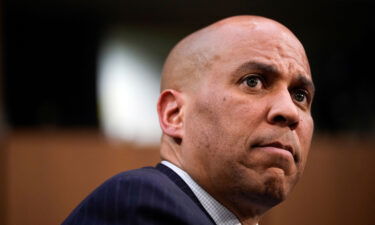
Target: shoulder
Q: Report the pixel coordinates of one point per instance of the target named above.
(140, 186)
(140, 183)
(142, 196)
(146, 175)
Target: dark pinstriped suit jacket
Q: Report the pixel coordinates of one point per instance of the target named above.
(151, 195)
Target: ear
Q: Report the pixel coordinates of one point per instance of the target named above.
(170, 113)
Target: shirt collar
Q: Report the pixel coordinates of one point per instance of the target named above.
(220, 214)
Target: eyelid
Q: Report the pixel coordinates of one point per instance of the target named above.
(260, 76)
(306, 92)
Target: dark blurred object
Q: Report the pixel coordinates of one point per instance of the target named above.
(51, 48)
(50, 68)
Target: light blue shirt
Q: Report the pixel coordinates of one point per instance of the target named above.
(220, 214)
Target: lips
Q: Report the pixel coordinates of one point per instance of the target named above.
(279, 145)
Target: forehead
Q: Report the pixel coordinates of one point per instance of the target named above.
(268, 45)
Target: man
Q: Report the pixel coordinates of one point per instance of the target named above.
(235, 113)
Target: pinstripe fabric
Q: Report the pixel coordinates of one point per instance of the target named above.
(217, 211)
(139, 197)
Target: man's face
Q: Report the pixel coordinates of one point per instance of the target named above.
(248, 125)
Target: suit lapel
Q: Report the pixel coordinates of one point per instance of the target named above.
(182, 185)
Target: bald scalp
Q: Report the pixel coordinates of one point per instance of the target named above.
(186, 62)
(193, 55)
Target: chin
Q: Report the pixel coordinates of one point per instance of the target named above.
(274, 192)
(272, 189)
(263, 188)
(276, 187)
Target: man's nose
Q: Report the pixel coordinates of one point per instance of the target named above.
(283, 111)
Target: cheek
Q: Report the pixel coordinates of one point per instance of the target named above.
(240, 114)
(216, 126)
(202, 126)
(220, 125)
(305, 133)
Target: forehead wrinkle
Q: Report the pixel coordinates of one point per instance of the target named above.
(289, 58)
(199, 49)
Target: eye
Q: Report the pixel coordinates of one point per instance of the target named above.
(300, 95)
(253, 81)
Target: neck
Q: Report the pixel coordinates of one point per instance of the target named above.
(169, 150)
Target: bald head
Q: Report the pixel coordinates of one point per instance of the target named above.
(189, 59)
(230, 91)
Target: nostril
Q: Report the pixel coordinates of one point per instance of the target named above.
(283, 121)
(279, 119)
(293, 125)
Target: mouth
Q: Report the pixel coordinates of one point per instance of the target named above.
(278, 146)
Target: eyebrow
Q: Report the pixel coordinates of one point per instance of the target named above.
(306, 82)
(301, 80)
(252, 65)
